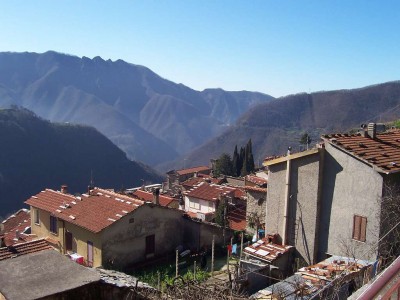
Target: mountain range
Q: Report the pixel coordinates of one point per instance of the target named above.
(36, 154)
(275, 125)
(150, 118)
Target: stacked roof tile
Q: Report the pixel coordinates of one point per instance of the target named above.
(93, 212)
(265, 250)
(382, 152)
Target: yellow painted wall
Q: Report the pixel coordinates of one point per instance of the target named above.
(80, 236)
(42, 230)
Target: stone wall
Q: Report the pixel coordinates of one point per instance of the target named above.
(256, 204)
(124, 242)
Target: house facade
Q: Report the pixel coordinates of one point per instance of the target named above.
(103, 227)
(327, 201)
(203, 199)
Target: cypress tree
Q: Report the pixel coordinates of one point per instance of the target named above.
(235, 162)
(250, 158)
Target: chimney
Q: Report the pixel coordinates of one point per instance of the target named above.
(17, 234)
(64, 189)
(372, 130)
(156, 196)
(2, 242)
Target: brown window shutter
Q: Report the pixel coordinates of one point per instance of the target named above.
(363, 231)
(356, 227)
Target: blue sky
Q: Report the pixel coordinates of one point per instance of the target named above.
(275, 47)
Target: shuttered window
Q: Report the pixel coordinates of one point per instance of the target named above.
(359, 228)
(53, 225)
(68, 241)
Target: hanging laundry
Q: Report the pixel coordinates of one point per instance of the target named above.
(234, 249)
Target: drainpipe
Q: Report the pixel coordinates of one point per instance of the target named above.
(287, 199)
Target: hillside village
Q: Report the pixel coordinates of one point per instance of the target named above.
(322, 223)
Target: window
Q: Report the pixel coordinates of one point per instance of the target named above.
(150, 244)
(89, 254)
(37, 217)
(53, 224)
(68, 241)
(194, 204)
(359, 228)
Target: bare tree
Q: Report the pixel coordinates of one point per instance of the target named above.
(389, 246)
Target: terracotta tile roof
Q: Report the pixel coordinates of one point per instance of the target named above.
(191, 182)
(20, 221)
(193, 170)
(237, 219)
(93, 212)
(383, 152)
(239, 193)
(209, 192)
(147, 196)
(255, 189)
(24, 248)
(265, 250)
(256, 180)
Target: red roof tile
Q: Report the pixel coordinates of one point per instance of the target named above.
(191, 182)
(237, 219)
(20, 221)
(209, 192)
(193, 170)
(256, 180)
(147, 196)
(94, 212)
(24, 248)
(239, 193)
(383, 152)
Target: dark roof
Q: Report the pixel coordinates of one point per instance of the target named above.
(93, 212)
(382, 152)
(24, 248)
(209, 192)
(42, 274)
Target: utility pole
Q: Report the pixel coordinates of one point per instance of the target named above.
(177, 262)
(212, 257)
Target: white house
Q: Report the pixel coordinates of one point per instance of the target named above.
(202, 200)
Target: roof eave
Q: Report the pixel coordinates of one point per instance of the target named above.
(291, 156)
